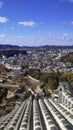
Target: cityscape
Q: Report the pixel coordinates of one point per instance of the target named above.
(26, 102)
(36, 65)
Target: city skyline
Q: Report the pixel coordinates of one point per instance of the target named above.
(35, 23)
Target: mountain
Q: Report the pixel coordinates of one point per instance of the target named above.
(7, 47)
(55, 47)
(46, 47)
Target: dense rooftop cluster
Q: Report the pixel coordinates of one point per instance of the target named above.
(44, 60)
(38, 112)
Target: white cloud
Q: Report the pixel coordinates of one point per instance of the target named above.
(27, 23)
(69, 23)
(39, 32)
(1, 4)
(66, 37)
(2, 35)
(3, 20)
(12, 28)
(30, 40)
(70, 1)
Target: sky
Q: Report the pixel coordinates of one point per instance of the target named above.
(36, 22)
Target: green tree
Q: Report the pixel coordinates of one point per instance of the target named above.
(3, 93)
(26, 95)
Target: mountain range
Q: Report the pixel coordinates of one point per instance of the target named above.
(7, 47)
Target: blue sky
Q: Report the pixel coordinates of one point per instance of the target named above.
(36, 22)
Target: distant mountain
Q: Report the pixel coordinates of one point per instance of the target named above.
(47, 47)
(7, 47)
(55, 47)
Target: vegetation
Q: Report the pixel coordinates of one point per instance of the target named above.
(3, 94)
(67, 58)
(12, 52)
(33, 72)
(51, 80)
(26, 95)
(67, 77)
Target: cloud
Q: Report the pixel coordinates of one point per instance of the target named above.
(31, 40)
(66, 37)
(3, 20)
(1, 4)
(70, 1)
(2, 35)
(39, 32)
(12, 27)
(69, 23)
(27, 23)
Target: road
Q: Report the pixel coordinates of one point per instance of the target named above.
(8, 86)
(36, 82)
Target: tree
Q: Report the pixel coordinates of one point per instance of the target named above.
(26, 95)
(3, 93)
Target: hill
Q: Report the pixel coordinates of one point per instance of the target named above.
(9, 46)
(4, 47)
